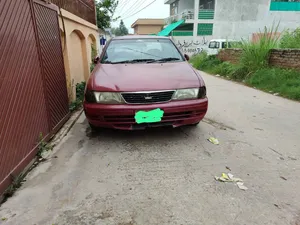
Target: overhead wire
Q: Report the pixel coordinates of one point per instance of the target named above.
(135, 6)
(140, 10)
(122, 6)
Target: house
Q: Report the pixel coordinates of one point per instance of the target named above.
(148, 26)
(80, 39)
(192, 23)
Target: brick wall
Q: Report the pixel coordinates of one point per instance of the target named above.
(230, 55)
(283, 58)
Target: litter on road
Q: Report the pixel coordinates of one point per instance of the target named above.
(230, 178)
(241, 186)
(213, 140)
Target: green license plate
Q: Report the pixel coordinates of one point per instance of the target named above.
(152, 116)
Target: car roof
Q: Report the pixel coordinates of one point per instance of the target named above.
(139, 37)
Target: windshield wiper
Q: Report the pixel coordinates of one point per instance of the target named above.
(166, 59)
(132, 61)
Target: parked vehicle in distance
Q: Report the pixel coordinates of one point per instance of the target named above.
(216, 44)
(144, 81)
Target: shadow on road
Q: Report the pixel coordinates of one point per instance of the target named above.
(156, 134)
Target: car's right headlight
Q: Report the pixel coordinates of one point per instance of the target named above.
(103, 97)
(184, 94)
(191, 93)
(108, 97)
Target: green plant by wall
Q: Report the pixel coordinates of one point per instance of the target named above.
(290, 39)
(80, 88)
(93, 56)
(255, 55)
(43, 146)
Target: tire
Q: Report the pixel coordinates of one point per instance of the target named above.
(94, 128)
(195, 124)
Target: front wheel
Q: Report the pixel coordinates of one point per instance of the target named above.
(93, 128)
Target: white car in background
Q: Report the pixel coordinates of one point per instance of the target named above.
(216, 44)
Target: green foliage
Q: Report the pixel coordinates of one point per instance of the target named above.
(93, 56)
(92, 66)
(204, 62)
(253, 67)
(80, 88)
(17, 183)
(290, 39)
(121, 30)
(105, 10)
(255, 55)
(43, 146)
(282, 81)
(213, 65)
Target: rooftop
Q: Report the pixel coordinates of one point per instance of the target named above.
(160, 22)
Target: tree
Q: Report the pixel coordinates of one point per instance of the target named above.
(121, 30)
(105, 10)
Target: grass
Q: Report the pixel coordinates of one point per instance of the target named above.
(255, 55)
(253, 68)
(290, 39)
(286, 82)
(282, 81)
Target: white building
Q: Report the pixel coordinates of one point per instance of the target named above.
(228, 19)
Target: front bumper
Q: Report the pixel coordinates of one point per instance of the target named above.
(176, 113)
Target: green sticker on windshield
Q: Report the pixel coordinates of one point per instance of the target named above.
(152, 116)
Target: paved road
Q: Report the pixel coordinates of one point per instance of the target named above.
(166, 176)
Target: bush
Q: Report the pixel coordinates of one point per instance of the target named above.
(290, 39)
(80, 88)
(283, 81)
(204, 62)
(255, 55)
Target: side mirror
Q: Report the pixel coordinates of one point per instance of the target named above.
(96, 60)
(186, 57)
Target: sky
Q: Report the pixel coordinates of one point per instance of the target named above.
(127, 8)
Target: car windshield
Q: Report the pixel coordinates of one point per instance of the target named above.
(141, 50)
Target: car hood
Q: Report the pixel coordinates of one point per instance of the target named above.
(144, 77)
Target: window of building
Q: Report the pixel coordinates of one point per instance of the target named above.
(174, 8)
(206, 9)
(285, 5)
(205, 29)
(207, 4)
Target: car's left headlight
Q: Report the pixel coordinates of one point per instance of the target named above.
(108, 97)
(182, 94)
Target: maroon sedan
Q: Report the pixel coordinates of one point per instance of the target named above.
(144, 81)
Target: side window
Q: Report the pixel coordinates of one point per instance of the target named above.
(214, 44)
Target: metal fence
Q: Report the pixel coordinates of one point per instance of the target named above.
(32, 83)
(82, 8)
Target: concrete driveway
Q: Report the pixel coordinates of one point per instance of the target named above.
(166, 176)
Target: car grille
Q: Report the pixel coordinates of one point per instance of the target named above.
(148, 97)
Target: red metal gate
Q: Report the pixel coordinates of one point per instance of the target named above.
(33, 93)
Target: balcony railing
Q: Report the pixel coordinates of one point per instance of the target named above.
(84, 9)
(206, 14)
(186, 15)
